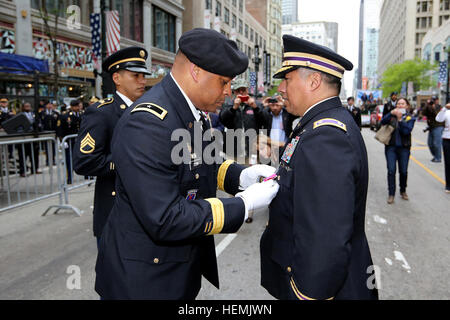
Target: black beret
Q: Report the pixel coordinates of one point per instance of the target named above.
(301, 53)
(131, 59)
(213, 52)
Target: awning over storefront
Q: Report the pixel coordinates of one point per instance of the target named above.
(18, 64)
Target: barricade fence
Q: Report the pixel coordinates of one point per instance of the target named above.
(34, 169)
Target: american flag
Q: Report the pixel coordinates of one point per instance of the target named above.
(252, 82)
(112, 32)
(443, 73)
(96, 40)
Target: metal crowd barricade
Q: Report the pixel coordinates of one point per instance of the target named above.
(69, 179)
(22, 179)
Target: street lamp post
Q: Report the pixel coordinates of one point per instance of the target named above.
(256, 61)
(107, 83)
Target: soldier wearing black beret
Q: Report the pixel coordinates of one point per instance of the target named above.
(92, 152)
(315, 246)
(158, 241)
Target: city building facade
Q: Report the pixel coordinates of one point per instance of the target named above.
(289, 11)
(321, 32)
(231, 18)
(269, 14)
(153, 24)
(403, 25)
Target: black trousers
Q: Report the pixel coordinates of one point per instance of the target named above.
(446, 145)
(31, 151)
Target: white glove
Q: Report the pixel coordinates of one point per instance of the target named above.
(258, 196)
(66, 145)
(251, 175)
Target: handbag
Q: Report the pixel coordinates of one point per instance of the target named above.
(384, 134)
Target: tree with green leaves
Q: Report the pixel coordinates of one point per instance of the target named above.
(416, 71)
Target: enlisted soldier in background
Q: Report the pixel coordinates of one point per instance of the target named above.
(314, 246)
(158, 240)
(92, 153)
(68, 124)
(49, 119)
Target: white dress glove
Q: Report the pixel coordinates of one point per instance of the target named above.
(251, 175)
(258, 196)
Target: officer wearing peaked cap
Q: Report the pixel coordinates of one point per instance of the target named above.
(158, 241)
(314, 246)
(92, 152)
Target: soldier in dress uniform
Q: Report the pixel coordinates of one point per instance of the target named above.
(92, 152)
(314, 246)
(49, 119)
(158, 240)
(5, 113)
(69, 123)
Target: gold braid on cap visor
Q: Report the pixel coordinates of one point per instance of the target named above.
(291, 59)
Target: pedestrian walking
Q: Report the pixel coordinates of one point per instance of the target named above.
(314, 245)
(435, 129)
(92, 151)
(444, 116)
(158, 240)
(399, 148)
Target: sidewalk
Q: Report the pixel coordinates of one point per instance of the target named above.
(45, 247)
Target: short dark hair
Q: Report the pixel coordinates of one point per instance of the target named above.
(350, 98)
(332, 81)
(74, 103)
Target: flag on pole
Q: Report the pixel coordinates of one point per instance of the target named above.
(443, 73)
(252, 82)
(96, 40)
(112, 32)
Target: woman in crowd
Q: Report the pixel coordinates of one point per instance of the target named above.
(444, 116)
(399, 148)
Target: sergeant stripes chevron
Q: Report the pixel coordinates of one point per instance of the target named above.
(88, 141)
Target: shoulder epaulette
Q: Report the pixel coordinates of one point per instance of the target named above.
(330, 122)
(105, 102)
(154, 109)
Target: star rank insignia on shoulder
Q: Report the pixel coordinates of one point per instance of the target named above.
(152, 108)
(105, 102)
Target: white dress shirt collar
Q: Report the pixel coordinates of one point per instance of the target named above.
(125, 99)
(194, 110)
(318, 104)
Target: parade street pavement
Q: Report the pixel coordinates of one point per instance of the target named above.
(41, 257)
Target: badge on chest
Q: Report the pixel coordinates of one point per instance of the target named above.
(290, 149)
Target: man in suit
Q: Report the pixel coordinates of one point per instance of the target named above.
(278, 120)
(314, 245)
(158, 240)
(391, 104)
(354, 111)
(92, 152)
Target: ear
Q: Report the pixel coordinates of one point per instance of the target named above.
(195, 70)
(116, 78)
(315, 80)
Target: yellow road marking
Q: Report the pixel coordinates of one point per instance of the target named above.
(419, 148)
(434, 175)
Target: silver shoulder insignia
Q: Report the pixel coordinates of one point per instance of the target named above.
(152, 108)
